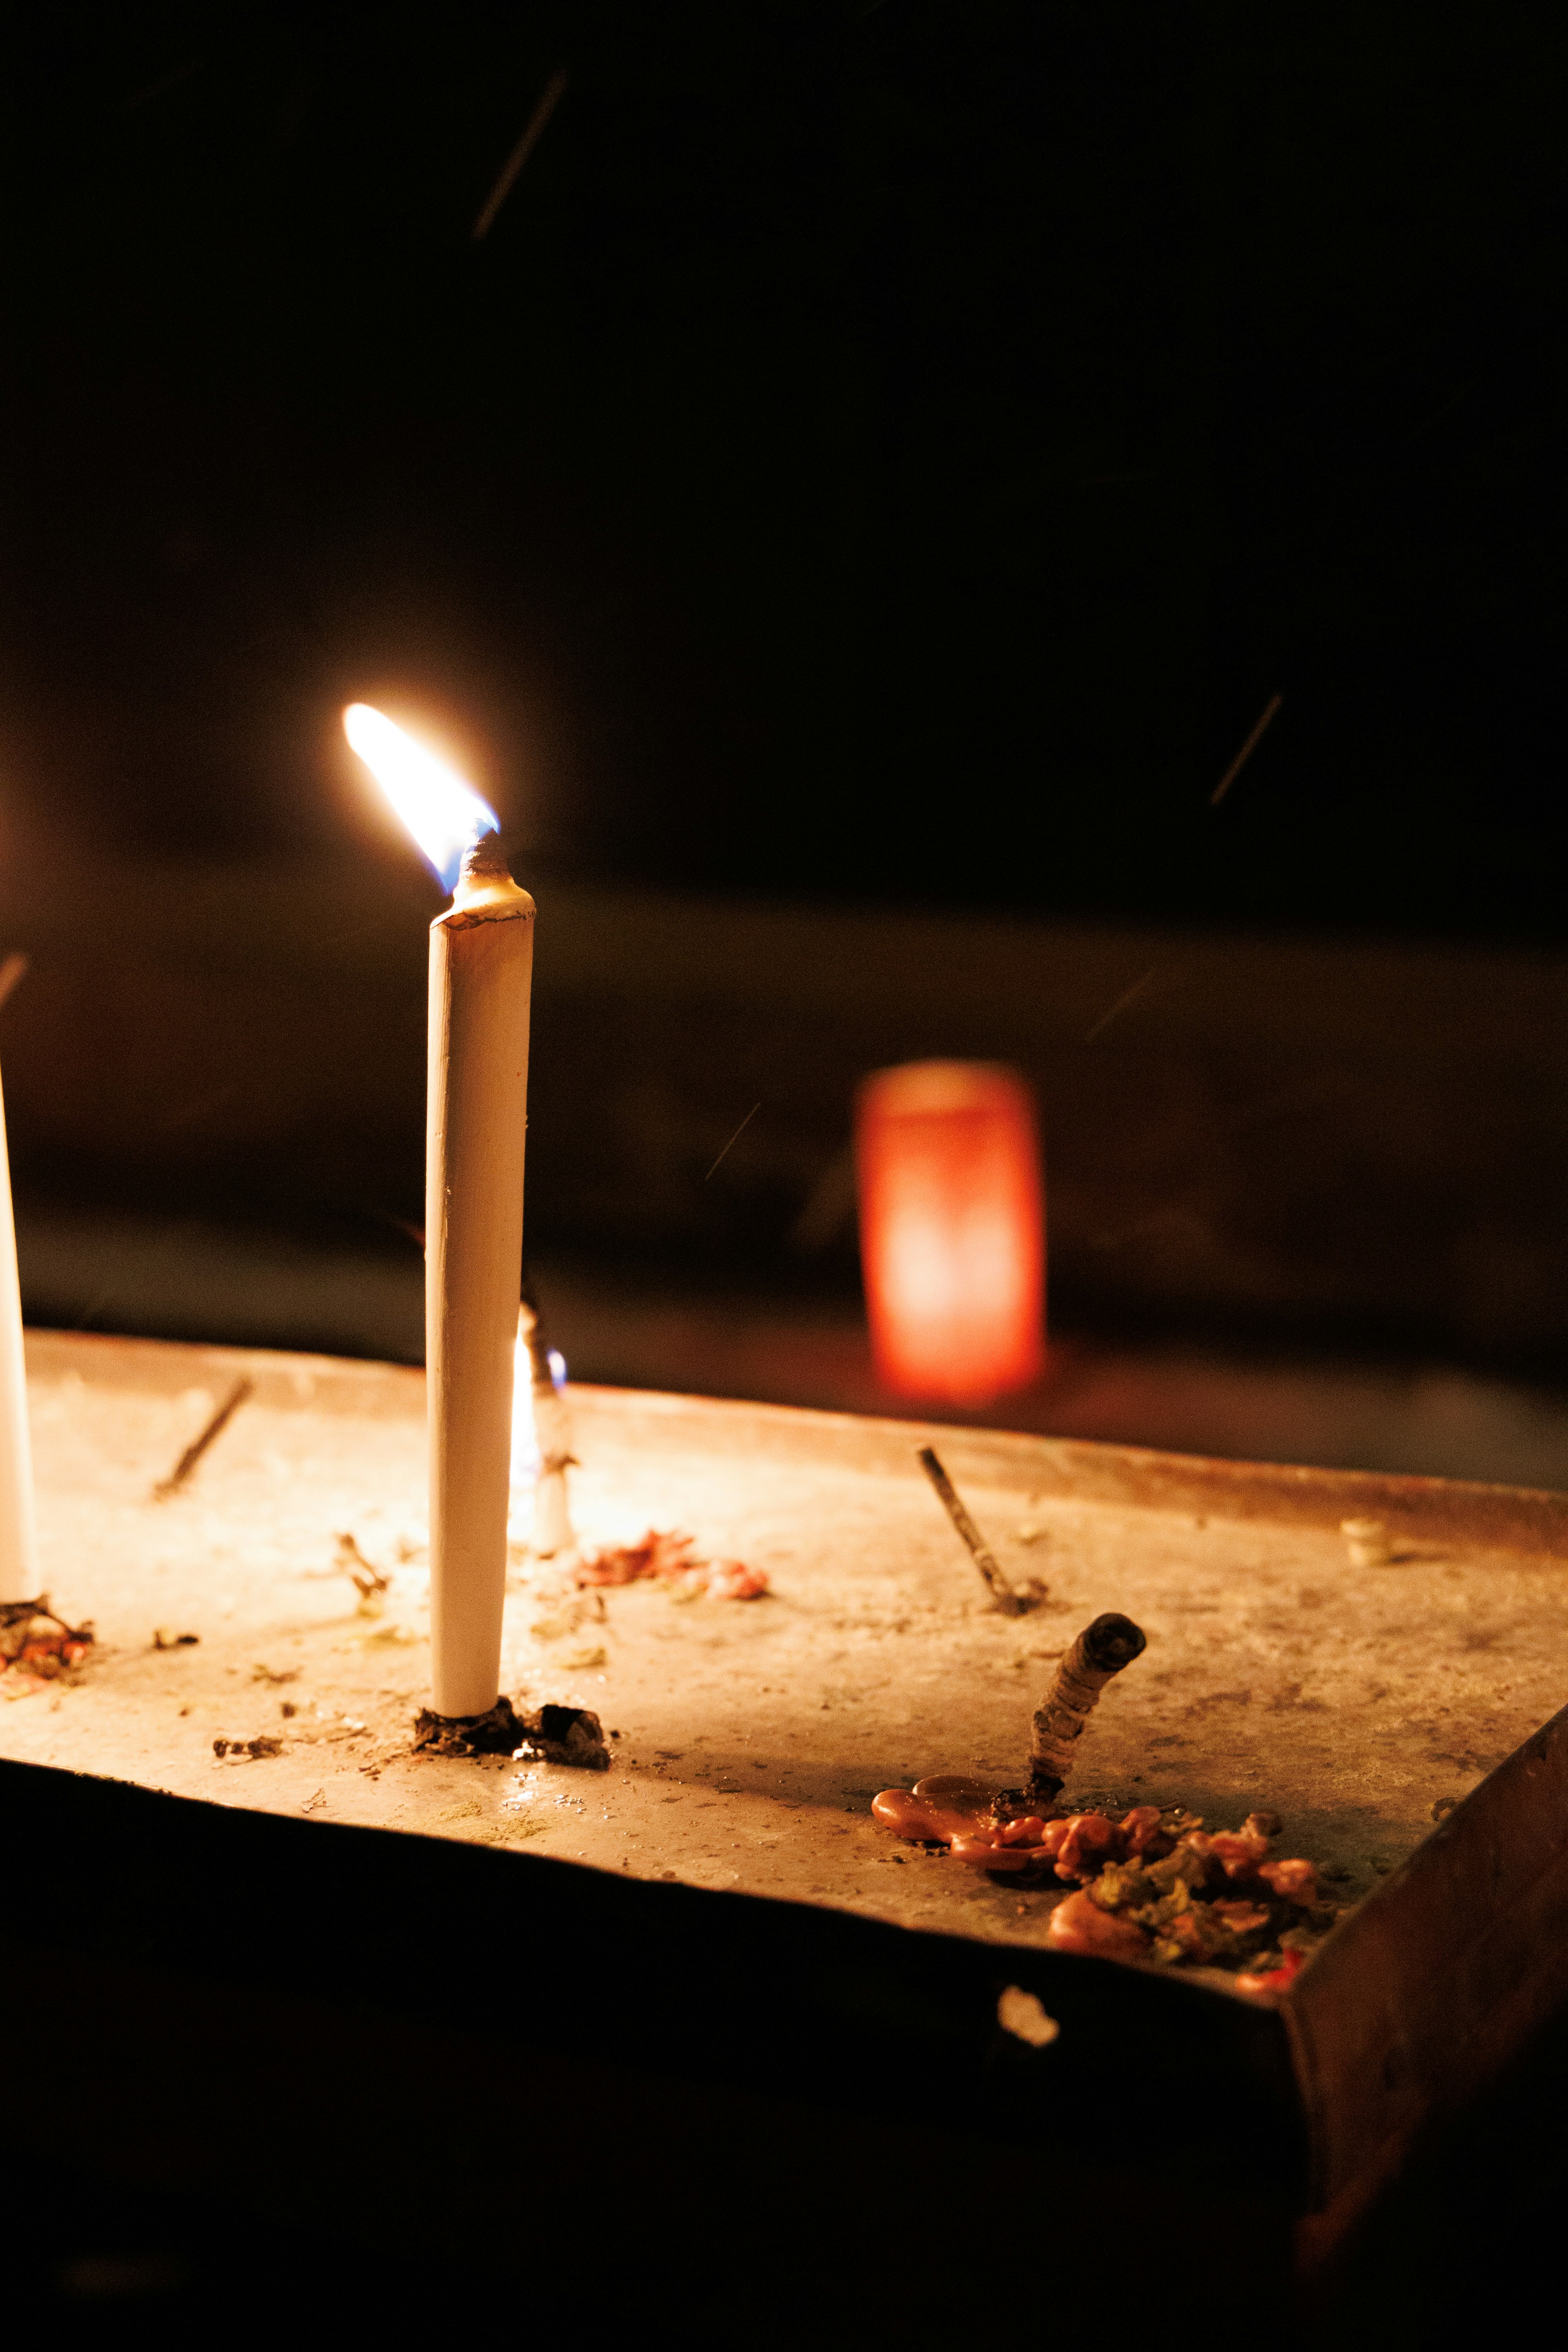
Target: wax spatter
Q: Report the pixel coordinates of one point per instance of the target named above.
(1153, 1886)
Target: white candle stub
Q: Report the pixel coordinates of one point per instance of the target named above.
(1368, 1542)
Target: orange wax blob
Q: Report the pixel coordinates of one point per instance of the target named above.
(952, 1229)
(936, 1810)
(1078, 1924)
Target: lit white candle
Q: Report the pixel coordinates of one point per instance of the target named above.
(18, 1533)
(482, 964)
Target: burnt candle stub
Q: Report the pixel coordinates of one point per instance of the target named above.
(1100, 1650)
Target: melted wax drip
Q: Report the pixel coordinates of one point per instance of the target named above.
(1164, 1866)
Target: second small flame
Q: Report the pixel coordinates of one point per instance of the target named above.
(527, 1460)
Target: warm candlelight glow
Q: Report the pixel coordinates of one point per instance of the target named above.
(952, 1230)
(526, 1456)
(445, 815)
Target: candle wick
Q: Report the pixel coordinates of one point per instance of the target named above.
(484, 860)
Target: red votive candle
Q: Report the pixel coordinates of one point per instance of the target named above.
(952, 1229)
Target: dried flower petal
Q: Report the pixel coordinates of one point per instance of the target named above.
(1078, 1924)
(1120, 1887)
(1237, 1852)
(1153, 1884)
(1294, 1881)
(670, 1555)
(1274, 1979)
(36, 1646)
(731, 1579)
(658, 1554)
(1241, 1918)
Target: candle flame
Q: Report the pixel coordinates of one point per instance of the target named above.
(445, 815)
(527, 1460)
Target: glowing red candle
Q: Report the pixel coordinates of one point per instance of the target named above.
(952, 1229)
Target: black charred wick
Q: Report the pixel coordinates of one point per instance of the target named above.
(486, 861)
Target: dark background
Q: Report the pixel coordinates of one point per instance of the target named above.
(885, 454)
(885, 451)
(847, 513)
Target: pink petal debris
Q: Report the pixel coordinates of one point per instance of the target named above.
(1296, 1881)
(1275, 1979)
(669, 1556)
(36, 1646)
(656, 1555)
(731, 1579)
(1128, 1904)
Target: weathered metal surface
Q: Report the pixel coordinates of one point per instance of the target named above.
(1426, 1987)
(1350, 1699)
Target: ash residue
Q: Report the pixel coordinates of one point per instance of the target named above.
(550, 1735)
(564, 1734)
(496, 1733)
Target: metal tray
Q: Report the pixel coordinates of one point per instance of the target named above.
(735, 1823)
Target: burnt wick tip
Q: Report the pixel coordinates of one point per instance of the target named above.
(1112, 1641)
(484, 860)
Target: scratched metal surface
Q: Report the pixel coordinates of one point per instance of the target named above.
(754, 1734)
